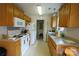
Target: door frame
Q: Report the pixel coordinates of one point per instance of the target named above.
(37, 28)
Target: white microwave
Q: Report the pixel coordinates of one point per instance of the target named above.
(19, 22)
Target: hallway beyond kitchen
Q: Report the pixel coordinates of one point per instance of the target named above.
(40, 48)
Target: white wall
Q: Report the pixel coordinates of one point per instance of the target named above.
(33, 20)
(72, 32)
(46, 18)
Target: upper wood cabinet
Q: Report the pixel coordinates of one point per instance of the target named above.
(54, 21)
(18, 12)
(27, 19)
(9, 14)
(8, 11)
(6, 14)
(69, 15)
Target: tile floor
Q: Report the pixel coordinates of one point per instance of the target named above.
(40, 48)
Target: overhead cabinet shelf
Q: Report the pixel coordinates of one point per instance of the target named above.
(69, 15)
(7, 13)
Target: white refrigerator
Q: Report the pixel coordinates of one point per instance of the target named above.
(32, 30)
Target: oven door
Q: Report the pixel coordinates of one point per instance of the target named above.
(24, 44)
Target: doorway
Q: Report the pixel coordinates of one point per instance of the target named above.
(40, 27)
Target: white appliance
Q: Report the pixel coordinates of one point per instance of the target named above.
(32, 30)
(24, 44)
(19, 22)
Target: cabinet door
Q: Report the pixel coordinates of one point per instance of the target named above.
(18, 13)
(54, 21)
(6, 15)
(49, 45)
(74, 15)
(53, 51)
(51, 23)
(62, 17)
(52, 47)
(67, 13)
(27, 19)
(3, 16)
(9, 14)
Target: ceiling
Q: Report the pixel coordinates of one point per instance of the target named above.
(31, 10)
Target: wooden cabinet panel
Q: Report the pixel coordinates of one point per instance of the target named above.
(18, 13)
(9, 14)
(51, 22)
(27, 19)
(53, 51)
(63, 16)
(6, 15)
(54, 21)
(2, 14)
(74, 15)
(13, 48)
(68, 15)
(52, 47)
(8, 11)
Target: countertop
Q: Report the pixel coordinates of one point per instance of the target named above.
(10, 40)
(13, 39)
(62, 41)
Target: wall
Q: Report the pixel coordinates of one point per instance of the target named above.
(46, 26)
(46, 18)
(72, 32)
(33, 32)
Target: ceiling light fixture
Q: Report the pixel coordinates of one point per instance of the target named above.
(39, 8)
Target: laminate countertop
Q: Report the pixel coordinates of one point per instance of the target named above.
(10, 40)
(63, 41)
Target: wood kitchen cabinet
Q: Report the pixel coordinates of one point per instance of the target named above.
(27, 19)
(54, 21)
(52, 47)
(9, 14)
(6, 15)
(69, 15)
(8, 11)
(18, 12)
(13, 47)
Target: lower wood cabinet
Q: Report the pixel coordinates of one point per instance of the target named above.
(52, 47)
(59, 49)
(12, 47)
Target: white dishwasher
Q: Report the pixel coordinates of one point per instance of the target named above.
(24, 44)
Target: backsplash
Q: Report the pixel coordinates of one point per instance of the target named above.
(72, 32)
(14, 32)
(3, 30)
